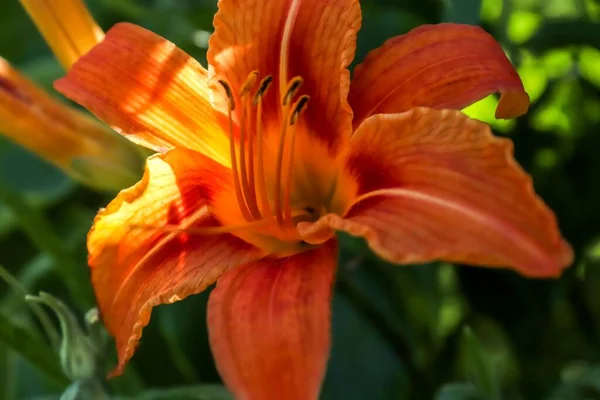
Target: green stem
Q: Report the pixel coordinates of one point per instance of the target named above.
(37, 310)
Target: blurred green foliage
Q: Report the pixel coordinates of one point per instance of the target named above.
(433, 331)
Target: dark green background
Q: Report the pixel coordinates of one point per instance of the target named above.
(398, 332)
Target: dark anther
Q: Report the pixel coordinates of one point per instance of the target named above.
(262, 89)
(292, 88)
(298, 108)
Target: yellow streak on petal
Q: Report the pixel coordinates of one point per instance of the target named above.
(67, 27)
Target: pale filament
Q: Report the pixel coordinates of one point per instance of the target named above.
(249, 180)
(297, 108)
(262, 188)
(236, 180)
(244, 172)
(292, 88)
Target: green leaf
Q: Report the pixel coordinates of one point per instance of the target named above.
(579, 381)
(478, 365)
(380, 24)
(27, 174)
(458, 391)
(46, 239)
(33, 349)
(200, 392)
(462, 11)
(562, 33)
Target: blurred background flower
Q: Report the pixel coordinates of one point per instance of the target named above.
(82, 147)
(398, 332)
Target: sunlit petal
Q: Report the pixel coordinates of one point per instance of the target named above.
(149, 90)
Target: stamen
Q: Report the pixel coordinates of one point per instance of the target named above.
(236, 182)
(279, 167)
(249, 83)
(292, 87)
(298, 107)
(249, 193)
(229, 93)
(251, 171)
(262, 89)
(262, 188)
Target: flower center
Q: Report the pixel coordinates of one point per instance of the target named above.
(263, 176)
(277, 181)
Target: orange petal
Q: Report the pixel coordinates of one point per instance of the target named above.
(149, 90)
(269, 325)
(136, 265)
(314, 39)
(438, 66)
(445, 188)
(321, 45)
(81, 146)
(67, 27)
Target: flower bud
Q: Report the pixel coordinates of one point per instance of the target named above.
(81, 146)
(80, 355)
(67, 27)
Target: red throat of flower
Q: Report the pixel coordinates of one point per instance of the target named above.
(262, 170)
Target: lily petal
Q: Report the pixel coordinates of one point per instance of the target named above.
(440, 186)
(67, 27)
(438, 66)
(321, 46)
(136, 264)
(313, 39)
(269, 325)
(149, 90)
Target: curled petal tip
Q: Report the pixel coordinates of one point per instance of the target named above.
(512, 104)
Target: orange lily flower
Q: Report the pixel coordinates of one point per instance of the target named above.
(266, 155)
